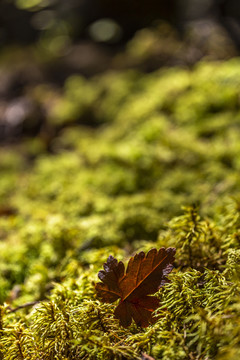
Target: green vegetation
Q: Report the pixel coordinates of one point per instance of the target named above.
(159, 166)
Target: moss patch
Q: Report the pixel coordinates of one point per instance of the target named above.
(160, 141)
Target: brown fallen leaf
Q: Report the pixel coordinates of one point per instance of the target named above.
(143, 277)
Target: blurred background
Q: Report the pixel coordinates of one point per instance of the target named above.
(44, 42)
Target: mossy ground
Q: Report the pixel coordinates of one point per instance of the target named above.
(160, 167)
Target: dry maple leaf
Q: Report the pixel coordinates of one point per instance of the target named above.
(143, 277)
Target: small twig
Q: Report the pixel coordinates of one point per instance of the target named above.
(31, 303)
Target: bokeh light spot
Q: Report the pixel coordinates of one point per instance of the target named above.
(105, 30)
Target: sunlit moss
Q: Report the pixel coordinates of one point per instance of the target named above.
(159, 167)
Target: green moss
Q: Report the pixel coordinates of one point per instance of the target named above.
(161, 142)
